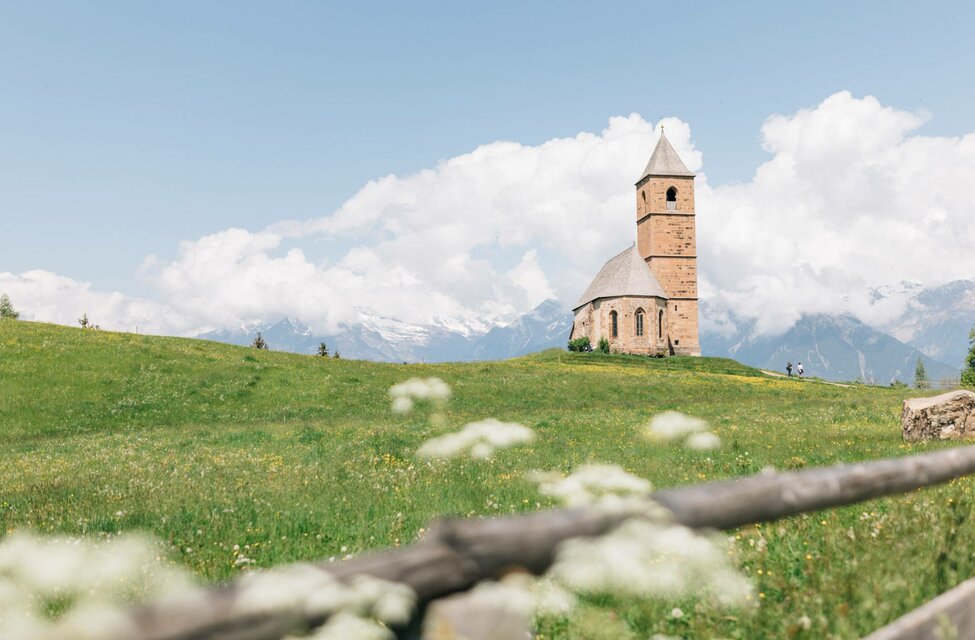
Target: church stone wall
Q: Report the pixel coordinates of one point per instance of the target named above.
(651, 195)
(677, 276)
(593, 320)
(683, 327)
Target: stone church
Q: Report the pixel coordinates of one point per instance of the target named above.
(644, 300)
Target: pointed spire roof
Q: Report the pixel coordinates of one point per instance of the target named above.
(665, 161)
(626, 274)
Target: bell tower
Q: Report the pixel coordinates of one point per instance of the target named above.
(667, 239)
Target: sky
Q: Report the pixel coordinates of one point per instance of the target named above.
(184, 166)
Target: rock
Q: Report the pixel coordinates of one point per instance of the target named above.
(949, 416)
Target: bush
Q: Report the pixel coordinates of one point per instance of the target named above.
(604, 345)
(7, 308)
(580, 344)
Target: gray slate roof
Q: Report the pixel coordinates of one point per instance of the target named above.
(665, 161)
(626, 274)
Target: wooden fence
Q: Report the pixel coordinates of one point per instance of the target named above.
(457, 554)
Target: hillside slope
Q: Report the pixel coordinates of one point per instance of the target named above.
(239, 458)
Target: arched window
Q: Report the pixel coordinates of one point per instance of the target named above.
(671, 199)
(638, 316)
(614, 329)
(660, 323)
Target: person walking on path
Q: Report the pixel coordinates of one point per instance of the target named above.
(788, 368)
(799, 369)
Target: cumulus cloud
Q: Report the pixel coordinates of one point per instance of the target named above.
(849, 200)
(482, 236)
(44, 296)
(851, 197)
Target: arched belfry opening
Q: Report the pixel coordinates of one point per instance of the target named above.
(672, 199)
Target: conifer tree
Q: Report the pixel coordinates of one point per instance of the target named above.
(323, 350)
(259, 341)
(7, 308)
(84, 321)
(336, 356)
(920, 376)
(968, 373)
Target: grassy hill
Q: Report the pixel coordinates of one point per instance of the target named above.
(231, 453)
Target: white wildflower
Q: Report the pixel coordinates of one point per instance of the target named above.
(347, 626)
(99, 580)
(676, 613)
(402, 404)
(673, 425)
(650, 560)
(421, 389)
(590, 483)
(313, 591)
(703, 441)
(479, 439)
(804, 622)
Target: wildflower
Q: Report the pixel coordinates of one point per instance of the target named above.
(421, 389)
(676, 613)
(402, 404)
(673, 425)
(645, 559)
(589, 483)
(479, 439)
(347, 626)
(704, 441)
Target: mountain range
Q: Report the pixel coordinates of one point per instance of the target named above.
(933, 328)
(388, 340)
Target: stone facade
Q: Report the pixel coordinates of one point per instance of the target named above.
(594, 320)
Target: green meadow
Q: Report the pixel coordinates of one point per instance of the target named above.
(239, 458)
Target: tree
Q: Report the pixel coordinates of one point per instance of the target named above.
(259, 341)
(7, 309)
(84, 321)
(323, 350)
(920, 376)
(336, 356)
(968, 373)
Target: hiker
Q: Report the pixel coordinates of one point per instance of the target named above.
(799, 369)
(788, 368)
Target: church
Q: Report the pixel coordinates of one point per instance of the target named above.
(644, 300)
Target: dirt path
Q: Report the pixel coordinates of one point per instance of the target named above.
(775, 374)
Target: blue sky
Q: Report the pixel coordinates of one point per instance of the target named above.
(127, 128)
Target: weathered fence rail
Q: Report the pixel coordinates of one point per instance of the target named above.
(457, 554)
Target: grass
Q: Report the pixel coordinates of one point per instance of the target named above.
(229, 453)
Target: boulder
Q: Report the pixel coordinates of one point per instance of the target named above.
(949, 416)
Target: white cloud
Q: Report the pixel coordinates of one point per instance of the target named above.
(438, 243)
(851, 198)
(44, 296)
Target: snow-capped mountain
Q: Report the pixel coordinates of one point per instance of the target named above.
(388, 340)
(937, 320)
